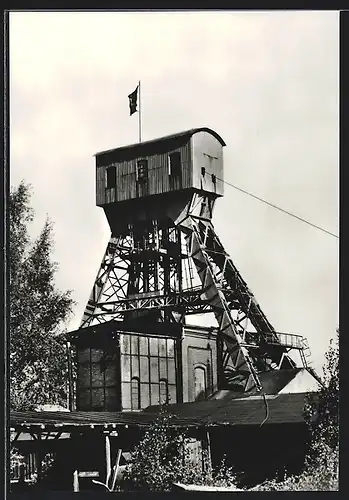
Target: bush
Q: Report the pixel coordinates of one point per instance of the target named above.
(322, 477)
(321, 471)
(163, 458)
(16, 460)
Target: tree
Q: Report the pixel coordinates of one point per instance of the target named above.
(38, 311)
(323, 415)
(326, 425)
(157, 458)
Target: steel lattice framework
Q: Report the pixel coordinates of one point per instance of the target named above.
(169, 268)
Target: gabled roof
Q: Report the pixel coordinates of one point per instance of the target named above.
(178, 135)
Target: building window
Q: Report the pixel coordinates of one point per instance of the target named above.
(199, 382)
(135, 394)
(164, 392)
(97, 380)
(147, 363)
(111, 177)
(142, 170)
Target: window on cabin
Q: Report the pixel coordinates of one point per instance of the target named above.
(175, 164)
(142, 170)
(175, 170)
(111, 177)
(142, 178)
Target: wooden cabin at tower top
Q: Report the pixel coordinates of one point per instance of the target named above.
(190, 160)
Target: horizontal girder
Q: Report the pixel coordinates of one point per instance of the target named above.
(192, 302)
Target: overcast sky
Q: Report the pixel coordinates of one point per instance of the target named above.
(267, 82)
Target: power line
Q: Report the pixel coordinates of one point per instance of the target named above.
(278, 208)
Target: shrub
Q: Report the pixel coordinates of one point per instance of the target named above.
(322, 477)
(321, 471)
(163, 458)
(16, 460)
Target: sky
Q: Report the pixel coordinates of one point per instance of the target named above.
(267, 82)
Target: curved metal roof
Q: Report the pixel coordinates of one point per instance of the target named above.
(187, 133)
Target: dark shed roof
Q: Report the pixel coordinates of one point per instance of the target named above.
(282, 409)
(67, 419)
(109, 329)
(154, 142)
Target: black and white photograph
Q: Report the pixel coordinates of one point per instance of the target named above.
(173, 213)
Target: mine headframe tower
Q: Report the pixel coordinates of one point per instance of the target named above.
(164, 260)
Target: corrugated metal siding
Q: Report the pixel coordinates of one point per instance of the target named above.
(100, 186)
(158, 174)
(158, 177)
(125, 180)
(186, 166)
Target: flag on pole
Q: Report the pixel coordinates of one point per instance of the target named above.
(132, 101)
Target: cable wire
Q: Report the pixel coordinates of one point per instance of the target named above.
(266, 409)
(278, 208)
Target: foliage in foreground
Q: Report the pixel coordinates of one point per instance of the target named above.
(321, 477)
(163, 457)
(38, 311)
(17, 460)
(321, 472)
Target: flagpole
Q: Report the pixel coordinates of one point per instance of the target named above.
(139, 113)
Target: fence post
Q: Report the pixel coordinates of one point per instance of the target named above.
(206, 451)
(107, 459)
(116, 468)
(75, 481)
(21, 473)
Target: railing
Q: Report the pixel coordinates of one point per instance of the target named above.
(290, 340)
